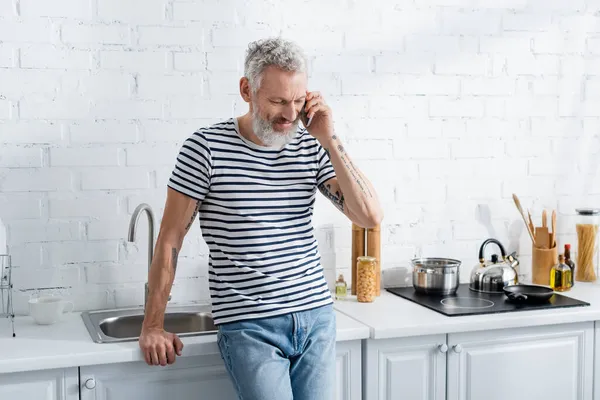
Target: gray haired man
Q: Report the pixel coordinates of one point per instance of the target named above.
(253, 180)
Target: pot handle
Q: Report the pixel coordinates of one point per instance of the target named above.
(488, 241)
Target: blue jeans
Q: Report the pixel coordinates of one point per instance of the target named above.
(289, 357)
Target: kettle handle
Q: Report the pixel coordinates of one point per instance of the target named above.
(484, 244)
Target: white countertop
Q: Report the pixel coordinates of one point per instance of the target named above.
(392, 316)
(68, 344)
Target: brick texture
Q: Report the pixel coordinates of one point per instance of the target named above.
(445, 104)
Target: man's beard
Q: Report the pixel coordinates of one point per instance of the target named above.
(263, 129)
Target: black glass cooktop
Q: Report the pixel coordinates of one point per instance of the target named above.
(468, 302)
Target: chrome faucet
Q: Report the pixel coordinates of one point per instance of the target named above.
(131, 238)
(133, 225)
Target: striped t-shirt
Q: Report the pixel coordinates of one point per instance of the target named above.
(256, 218)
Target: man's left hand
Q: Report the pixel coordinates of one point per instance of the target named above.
(321, 126)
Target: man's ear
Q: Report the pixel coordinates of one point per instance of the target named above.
(245, 89)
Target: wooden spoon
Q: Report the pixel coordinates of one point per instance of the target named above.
(553, 234)
(518, 204)
(544, 219)
(542, 237)
(531, 225)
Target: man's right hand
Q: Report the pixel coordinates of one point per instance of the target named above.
(159, 347)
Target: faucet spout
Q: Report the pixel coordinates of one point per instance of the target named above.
(132, 233)
(133, 226)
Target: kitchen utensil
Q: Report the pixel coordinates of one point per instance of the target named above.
(518, 204)
(436, 275)
(528, 293)
(374, 250)
(531, 225)
(493, 275)
(544, 219)
(541, 263)
(358, 250)
(542, 237)
(553, 234)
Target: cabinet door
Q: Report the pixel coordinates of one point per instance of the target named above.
(547, 362)
(406, 368)
(52, 384)
(348, 371)
(597, 360)
(189, 378)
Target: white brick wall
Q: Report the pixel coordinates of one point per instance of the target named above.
(445, 104)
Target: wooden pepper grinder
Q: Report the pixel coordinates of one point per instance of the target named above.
(358, 250)
(374, 250)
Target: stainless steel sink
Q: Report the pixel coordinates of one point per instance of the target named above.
(125, 324)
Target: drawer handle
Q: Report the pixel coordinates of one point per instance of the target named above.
(90, 383)
(443, 348)
(458, 348)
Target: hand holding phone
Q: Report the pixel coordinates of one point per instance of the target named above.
(304, 116)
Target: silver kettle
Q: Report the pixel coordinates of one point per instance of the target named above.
(491, 276)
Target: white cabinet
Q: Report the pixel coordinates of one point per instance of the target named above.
(597, 361)
(544, 362)
(348, 370)
(53, 384)
(189, 378)
(547, 362)
(199, 377)
(408, 368)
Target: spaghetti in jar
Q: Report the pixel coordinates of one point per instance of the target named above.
(588, 220)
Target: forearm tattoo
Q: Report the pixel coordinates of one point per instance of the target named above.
(174, 254)
(356, 175)
(336, 198)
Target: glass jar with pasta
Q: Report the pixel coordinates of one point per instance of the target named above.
(366, 274)
(588, 220)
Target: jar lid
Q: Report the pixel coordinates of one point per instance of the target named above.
(588, 211)
(367, 259)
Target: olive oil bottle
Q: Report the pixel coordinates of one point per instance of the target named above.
(561, 276)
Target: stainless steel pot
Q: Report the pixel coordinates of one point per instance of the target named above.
(436, 275)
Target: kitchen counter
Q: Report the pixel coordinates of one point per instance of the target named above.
(391, 316)
(68, 344)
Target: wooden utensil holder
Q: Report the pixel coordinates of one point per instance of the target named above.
(542, 262)
(374, 250)
(358, 250)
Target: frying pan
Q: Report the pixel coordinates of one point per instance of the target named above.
(528, 293)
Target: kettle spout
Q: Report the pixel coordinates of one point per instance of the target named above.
(512, 259)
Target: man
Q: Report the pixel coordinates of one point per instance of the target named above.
(253, 179)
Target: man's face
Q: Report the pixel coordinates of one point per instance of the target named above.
(277, 104)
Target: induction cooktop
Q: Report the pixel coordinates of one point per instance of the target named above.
(467, 302)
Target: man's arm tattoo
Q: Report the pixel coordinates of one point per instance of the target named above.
(352, 169)
(336, 198)
(174, 254)
(193, 216)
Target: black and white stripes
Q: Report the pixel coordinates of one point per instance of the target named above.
(256, 218)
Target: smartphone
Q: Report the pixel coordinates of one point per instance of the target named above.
(304, 116)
